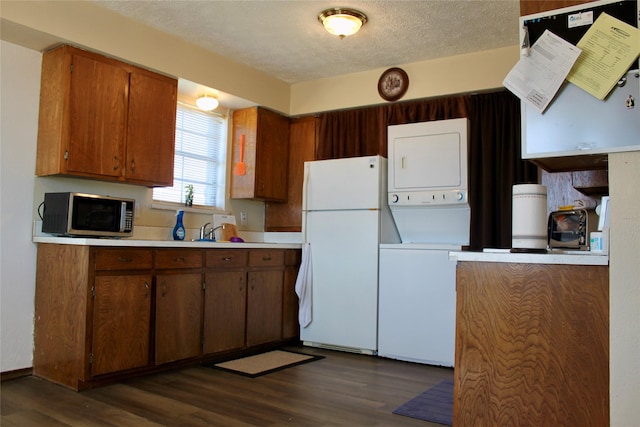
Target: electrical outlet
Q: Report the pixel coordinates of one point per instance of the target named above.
(243, 218)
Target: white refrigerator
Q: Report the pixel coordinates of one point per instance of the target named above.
(345, 218)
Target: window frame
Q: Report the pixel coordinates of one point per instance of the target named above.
(223, 181)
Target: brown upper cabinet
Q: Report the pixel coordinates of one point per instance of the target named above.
(104, 119)
(302, 144)
(265, 153)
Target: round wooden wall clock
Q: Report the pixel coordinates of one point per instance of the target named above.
(393, 84)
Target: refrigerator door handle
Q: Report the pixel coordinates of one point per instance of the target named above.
(305, 184)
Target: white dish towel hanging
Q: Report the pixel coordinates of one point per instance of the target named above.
(304, 287)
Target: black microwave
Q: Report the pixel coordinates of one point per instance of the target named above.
(88, 215)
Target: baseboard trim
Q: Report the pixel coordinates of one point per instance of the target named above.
(18, 373)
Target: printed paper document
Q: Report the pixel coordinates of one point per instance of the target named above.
(609, 48)
(537, 78)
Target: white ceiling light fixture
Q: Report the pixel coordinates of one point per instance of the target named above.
(207, 102)
(341, 21)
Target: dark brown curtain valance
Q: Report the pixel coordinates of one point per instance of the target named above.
(494, 155)
(363, 131)
(352, 133)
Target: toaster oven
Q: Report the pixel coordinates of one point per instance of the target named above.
(570, 229)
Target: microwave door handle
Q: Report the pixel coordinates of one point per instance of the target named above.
(123, 216)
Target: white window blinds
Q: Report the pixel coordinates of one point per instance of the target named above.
(199, 159)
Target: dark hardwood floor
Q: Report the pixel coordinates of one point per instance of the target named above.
(342, 389)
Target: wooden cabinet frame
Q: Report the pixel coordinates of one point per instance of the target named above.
(532, 345)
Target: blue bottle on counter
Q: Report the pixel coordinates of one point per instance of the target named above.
(178, 230)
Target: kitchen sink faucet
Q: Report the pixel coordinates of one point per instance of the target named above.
(208, 234)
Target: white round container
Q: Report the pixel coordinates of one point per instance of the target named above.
(529, 217)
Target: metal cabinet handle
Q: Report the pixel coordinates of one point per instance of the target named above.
(124, 259)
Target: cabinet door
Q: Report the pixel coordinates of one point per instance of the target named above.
(178, 316)
(97, 118)
(290, 325)
(121, 319)
(272, 154)
(224, 311)
(151, 130)
(266, 155)
(264, 307)
(302, 140)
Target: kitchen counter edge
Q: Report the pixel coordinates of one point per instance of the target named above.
(525, 258)
(162, 243)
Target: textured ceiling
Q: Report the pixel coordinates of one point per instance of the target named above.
(284, 38)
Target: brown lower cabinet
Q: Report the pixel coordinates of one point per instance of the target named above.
(104, 313)
(532, 345)
(290, 324)
(121, 307)
(225, 307)
(178, 317)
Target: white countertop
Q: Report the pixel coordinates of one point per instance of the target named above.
(162, 243)
(552, 257)
(160, 237)
(420, 246)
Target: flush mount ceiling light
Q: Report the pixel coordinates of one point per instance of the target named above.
(341, 21)
(207, 102)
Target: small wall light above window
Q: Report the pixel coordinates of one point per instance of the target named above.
(342, 22)
(207, 102)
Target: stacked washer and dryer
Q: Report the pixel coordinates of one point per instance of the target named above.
(428, 198)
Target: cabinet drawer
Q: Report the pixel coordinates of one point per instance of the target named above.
(226, 258)
(123, 259)
(266, 257)
(180, 258)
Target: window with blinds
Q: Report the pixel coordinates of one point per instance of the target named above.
(199, 159)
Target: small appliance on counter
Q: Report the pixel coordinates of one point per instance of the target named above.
(571, 228)
(528, 218)
(87, 215)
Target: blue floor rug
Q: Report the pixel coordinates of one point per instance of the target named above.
(434, 405)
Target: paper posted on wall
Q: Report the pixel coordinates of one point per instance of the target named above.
(609, 48)
(537, 77)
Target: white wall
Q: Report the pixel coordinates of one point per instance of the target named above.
(470, 72)
(20, 94)
(624, 289)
